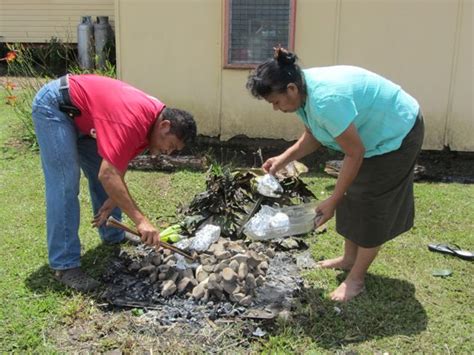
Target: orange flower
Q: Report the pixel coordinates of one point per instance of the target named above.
(11, 100)
(10, 57)
(9, 85)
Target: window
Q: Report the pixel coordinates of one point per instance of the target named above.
(254, 27)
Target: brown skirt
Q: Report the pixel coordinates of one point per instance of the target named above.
(379, 204)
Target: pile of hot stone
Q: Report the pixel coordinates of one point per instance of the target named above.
(231, 269)
(228, 270)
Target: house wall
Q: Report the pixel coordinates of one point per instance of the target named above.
(171, 49)
(36, 21)
(460, 120)
(174, 50)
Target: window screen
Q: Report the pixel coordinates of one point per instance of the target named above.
(255, 27)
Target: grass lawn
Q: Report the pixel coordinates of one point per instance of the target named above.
(405, 309)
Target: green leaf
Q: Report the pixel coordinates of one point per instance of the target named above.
(137, 312)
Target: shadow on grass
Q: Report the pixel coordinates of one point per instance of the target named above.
(387, 308)
(93, 263)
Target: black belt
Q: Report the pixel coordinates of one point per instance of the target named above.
(67, 106)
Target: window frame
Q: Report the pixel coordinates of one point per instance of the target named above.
(227, 23)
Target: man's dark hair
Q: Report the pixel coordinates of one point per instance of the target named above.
(182, 124)
(275, 74)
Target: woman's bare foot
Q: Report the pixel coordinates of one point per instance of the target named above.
(336, 263)
(347, 290)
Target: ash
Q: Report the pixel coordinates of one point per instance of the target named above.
(283, 280)
(127, 289)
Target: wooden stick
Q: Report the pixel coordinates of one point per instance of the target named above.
(112, 222)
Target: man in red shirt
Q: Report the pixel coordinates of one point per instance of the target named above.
(97, 124)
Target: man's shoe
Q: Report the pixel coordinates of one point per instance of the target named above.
(76, 279)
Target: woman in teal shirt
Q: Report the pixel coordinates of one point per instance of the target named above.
(378, 127)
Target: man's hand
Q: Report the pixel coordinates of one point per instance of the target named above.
(103, 213)
(149, 234)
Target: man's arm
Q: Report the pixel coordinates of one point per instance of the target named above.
(114, 184)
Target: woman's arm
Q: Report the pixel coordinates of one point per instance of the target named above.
(354, 150)
(305, 145)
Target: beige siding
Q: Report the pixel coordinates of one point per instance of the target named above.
(460, 122)
(39, 20)
(173, 49)
(176, 60)
(408, 42)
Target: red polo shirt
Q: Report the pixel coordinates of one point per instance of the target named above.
(121, 115)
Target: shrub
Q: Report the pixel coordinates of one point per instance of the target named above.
(30, 67)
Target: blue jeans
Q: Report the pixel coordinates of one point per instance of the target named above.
(64, 151)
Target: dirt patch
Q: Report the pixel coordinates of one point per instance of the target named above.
(440, 166)
(178, 325)
(149, 322)
(448, 166)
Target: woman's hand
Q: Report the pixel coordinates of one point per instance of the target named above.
(305, 145)
(274, 164)
(104, 212)
(148, 232)
(325, 211)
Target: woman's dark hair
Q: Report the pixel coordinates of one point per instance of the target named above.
(275, 74)
(182, 124)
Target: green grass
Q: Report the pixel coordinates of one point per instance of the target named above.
(404, 310)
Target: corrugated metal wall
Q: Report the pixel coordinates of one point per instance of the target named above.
(36, 21)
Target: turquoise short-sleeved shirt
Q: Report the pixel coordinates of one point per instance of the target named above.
(340, 95)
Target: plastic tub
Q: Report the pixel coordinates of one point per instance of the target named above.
(301, 221)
